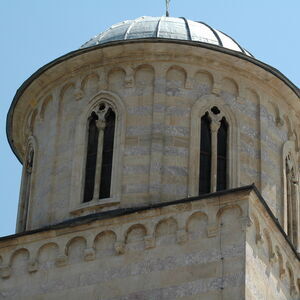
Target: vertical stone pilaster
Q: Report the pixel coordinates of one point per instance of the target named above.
(158, 132)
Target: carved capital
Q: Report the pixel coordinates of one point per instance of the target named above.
(101, 112)
(214, 126)
(100, 124)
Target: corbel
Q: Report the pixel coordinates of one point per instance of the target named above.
(273, 258)
(181, 236)
(61, 260)
(149, 241)
(241, 91)
(246, 223)
(102, 84)
(89, 254)
(120, 247)
(282, 273)
(33, 266)
(129, 77)
(5, 271)
(259, 239)
(217, 84)
(78, 93)
(189, 82)
(212, 229)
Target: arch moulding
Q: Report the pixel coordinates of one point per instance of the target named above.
(76, 205)
(198, 109)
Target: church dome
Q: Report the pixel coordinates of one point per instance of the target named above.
(165, 28)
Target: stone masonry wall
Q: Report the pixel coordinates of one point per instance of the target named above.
(157, 93)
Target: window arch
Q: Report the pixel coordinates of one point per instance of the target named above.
(26, 185)
(291, 194)
(213, 160)
(98, 152)
(213, 151)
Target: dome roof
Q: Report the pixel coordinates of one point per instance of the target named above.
(165, 28)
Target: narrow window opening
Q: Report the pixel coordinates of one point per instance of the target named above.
(205, 155)
(107, 154)
(91, 158)
(222, 155)
(99, 157)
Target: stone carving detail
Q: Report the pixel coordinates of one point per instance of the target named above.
(181, 236)
(89, 254)
(149, 242)
(5, 272)
(166, 232)
(120, 247)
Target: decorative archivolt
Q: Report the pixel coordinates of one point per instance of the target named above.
(114, 242)
(199, 109)
(104, 80)
(103, 99)
(275, 256)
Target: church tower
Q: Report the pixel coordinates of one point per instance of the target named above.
(160, 161)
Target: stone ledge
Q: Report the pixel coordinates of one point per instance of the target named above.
(93, 205)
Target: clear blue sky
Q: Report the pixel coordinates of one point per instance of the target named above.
(34, 32)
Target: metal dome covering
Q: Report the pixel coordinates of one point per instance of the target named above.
(165, 28)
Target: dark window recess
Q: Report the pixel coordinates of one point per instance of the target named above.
(107, 154)
(205, 155)
(222, 155)
(91, 158)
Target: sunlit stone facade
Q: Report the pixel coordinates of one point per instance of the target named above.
(140, 242)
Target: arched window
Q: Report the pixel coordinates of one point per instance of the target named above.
(26, 188)
(97, 161)
(213, 151)
(99, 153)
